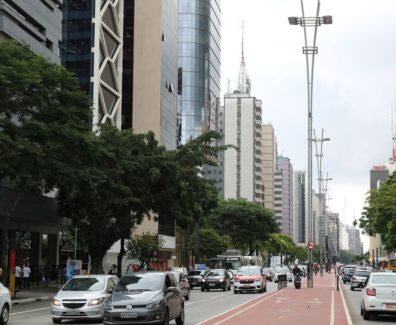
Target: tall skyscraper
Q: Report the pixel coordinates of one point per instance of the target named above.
(199, 63)
(299, 206)
(269, 153)
(354, 240)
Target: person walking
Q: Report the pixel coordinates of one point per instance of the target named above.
(18, 277)
(26, 276)
(46, 275)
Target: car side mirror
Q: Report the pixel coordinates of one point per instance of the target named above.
(171, 289)
(110, 290)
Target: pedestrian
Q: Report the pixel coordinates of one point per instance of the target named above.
(46, 275)
(18, 277)
(26, 271)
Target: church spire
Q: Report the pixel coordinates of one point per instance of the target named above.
(243, 79)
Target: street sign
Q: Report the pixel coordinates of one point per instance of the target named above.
(311, 244)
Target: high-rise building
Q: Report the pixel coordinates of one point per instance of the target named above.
(333, 225)
(269, 152)
(299, 206)
(34, 23)
(199, 63)
(354, 240)
(283, 195)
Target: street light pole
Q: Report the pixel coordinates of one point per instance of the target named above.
(310, 50)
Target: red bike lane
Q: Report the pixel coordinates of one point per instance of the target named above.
(319, 305)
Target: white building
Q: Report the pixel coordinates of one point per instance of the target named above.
(344, 238)
(354, 240)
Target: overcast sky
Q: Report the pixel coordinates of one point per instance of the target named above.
(354, 84)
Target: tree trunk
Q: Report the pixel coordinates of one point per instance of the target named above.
(269, 259)
(97, 264)
(281, 259)
(120, 256)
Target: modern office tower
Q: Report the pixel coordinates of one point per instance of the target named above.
(34, 23)
(333, 224)
(269, 152)
(299, 206)
(343, 235)
(283, 195)
(199, 63)
(354, 240)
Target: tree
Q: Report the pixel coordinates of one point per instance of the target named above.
(280, 244)
(247, 223)
(379, 216)
(44, 123)
(144, 247)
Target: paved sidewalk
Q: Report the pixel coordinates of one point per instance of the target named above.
(35, 294)
(319, 305)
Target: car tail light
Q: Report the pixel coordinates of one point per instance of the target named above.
(371, 292)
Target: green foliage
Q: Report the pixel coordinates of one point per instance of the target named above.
(247, 223)
(280, 243)
(144, 247)
(379, 216)
(211, 243)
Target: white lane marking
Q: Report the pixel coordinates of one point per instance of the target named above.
(29, 311)
(266, 296)
(332, 308)
(349, 319)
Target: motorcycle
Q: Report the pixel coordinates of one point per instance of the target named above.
(297, 281)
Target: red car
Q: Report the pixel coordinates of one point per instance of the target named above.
(250, 279)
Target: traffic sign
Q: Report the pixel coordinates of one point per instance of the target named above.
(311, 244)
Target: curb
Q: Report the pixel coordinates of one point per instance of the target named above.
(26, 300)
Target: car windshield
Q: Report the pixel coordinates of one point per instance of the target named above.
(216, 273)
(248, 272)
(143, 282)
(282, 270)
(84, 284)
(195, 273)
(381, 279)
(362, 273)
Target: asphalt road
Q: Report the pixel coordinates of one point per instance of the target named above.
(201, 307)
(353, 299)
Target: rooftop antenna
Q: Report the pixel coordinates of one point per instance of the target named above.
(244, 84)
(228, 86)
(394, 134)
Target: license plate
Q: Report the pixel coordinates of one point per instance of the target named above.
(390, 306)
(212, 284)
(246, 286)
(73, 312)
(128, 315)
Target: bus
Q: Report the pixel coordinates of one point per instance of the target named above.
(234, 263)
(392, 264)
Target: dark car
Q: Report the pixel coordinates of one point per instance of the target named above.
(195, 278)
(216, 279)
(145, 298)
(347, 275)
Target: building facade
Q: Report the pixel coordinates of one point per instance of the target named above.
(269, 152)
(299, 206)
(354, 240)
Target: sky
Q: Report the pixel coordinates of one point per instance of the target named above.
(354, 85)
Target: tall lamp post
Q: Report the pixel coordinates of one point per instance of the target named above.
(310, 50)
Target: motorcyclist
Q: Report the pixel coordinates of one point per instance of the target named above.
(296, 270)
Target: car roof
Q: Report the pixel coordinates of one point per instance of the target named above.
(99, 276)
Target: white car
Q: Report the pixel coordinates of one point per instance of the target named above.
(5, 304)
(283, 270)
(83, 297)
(379, 295)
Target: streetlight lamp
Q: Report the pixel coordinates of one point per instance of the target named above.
(310, 50)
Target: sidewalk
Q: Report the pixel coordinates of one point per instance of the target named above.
(322, 304)
(36, 294)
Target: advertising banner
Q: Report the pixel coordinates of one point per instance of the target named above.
(73, 267)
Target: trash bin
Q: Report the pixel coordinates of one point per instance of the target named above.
(282, 281)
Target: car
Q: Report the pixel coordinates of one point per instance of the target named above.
(283, 270)
(183, 283)
(359, 279)
(379, 295)
(149, 297)
(5, 304)
(82, 297)
(195, 278)
(348, 274)
(268, 274)
(216, 279)
(250, 279)
(303, 270)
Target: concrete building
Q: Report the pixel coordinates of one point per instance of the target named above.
(333, 224)
(344, 238)
(299, 206)
(283, 195)
(354, 240)
(269, 151)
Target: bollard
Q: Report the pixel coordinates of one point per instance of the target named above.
(338, 282)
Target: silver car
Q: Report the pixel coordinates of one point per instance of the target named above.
(5, 304)
(285, 271)
(359, 279)
(82, 297)
(183, 283)
(145, 298)
(379, 295)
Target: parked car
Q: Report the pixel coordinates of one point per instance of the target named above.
(5, 304)
(359, 279)
(183, 284)
(347, 275)
(195, 278)
(216, 279)
(145, 298)
(250, 279)
(283, 270)
(379, 296)
(82, 297)
(268, 274)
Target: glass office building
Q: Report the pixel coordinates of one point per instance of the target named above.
(199, 64)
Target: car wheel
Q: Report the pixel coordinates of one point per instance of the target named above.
(192, 287)
(236, 291)
(229, 287)
(180, 320)
(202, 289)
(352, 288)
(166, 317)
(361, 310)
(225, 287)
(366, 314)
(56, 320)
(5, 315)
(188, 295)
(343, 282)
(207, 289)
(265, 288)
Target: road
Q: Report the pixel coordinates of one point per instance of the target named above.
(201, 307)
(353, 299)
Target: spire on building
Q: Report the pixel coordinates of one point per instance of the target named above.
(244, 83)
(394, 135)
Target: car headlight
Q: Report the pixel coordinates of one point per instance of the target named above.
(203, 280)
(154, 305)
(96, 302)
(221, 280)
(56, 302)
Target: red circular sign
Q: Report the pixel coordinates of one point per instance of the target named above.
(311, 244)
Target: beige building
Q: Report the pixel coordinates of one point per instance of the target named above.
(269, 151)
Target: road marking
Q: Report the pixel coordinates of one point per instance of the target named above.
(29, 311)
(332, 309)
(349, 319)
